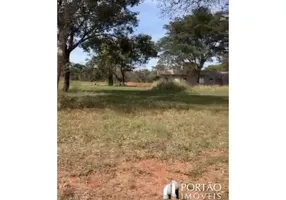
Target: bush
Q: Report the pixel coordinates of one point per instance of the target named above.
(172, 86)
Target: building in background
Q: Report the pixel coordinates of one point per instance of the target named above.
(206, 77)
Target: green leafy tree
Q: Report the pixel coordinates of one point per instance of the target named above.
(99, 71)
(82, 20)
(122, 53)
(105, 61)
(135, 51)
(195, 39)
(77, 71)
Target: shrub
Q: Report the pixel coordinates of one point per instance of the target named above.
(172, 86)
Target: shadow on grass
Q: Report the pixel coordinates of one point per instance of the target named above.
(134, 100)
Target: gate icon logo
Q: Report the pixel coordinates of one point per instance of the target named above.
(171, 190)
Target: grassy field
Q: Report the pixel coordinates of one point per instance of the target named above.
(128, 142)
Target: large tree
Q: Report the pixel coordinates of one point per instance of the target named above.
(81, 20)
(122, 53)
(104, 61)
(135, 51)
(195, 39)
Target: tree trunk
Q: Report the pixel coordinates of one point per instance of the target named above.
(59, 72)
(198, 72)
(62, 36)
(110, 78)
(119, 79)
(61, 62)
(66, 72)
(123, 76)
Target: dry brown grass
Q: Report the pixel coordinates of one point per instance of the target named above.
(127, 139)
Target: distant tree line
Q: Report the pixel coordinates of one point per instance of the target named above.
(80, 72)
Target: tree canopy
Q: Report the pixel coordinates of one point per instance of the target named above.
(82, 20)
(194, 39)
(122, 53)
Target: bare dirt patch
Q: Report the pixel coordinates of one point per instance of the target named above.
(130, 180)
(135, 84)
(142, 179)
